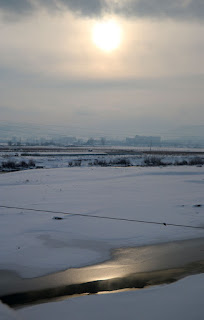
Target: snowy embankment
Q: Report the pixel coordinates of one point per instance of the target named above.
(7, 314)
(180, 300)
(34, 244)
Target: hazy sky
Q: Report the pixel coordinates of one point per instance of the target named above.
(52, 71)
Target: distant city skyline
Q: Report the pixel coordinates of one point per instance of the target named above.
(16, 132)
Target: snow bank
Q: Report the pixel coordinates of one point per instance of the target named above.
(7, 314)
(180, 300)
(34, 244)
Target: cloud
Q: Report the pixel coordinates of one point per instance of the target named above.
(82, 7)
(174, 9)
(90, 7)
(177, 9)
(15, 7)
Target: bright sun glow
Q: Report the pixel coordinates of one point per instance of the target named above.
(107, 35)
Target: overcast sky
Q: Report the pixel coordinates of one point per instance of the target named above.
(52, 72)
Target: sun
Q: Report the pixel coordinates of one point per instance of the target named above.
(107, 35)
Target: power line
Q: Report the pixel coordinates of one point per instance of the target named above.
(106, 217)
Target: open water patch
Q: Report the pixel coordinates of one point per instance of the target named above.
(128, 268)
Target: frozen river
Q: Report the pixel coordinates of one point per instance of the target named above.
(136, 267)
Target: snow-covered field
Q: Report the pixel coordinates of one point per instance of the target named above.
(34, 244)
(60, 158)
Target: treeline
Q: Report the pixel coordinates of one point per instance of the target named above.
(13, 165)
(151, 161)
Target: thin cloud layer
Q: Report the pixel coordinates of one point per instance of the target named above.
(16, 7)
(174, 9)
(82, 7)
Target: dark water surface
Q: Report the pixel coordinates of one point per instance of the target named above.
(137, 267)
